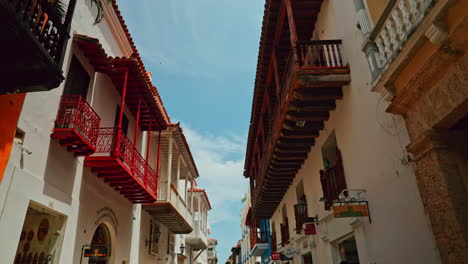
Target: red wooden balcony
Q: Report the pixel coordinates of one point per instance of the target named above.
(120, 164)
(76, 125)
(309, 83)
(34, 36)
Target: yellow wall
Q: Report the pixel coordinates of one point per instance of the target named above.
(10, 107)
(376, 8)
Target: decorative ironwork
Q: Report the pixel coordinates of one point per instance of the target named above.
(75, 113)
(127, 153)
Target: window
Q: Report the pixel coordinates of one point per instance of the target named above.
(77, 80)
(155, 233)
(332, 177)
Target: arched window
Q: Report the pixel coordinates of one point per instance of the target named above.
(101, 238)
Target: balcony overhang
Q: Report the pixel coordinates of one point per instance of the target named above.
(196, 242)
(165, 213)
(76, 126)
(123, 168)
(152, 112)
(259, 249)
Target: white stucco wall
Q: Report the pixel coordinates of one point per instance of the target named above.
(372, 146)
(52, 177)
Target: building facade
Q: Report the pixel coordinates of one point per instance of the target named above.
(323, 146)
(417, 53)
(97, 172)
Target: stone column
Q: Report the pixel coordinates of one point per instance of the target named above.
(369, 47)
(443, 192)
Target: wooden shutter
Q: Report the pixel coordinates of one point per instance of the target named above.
(333, 181)
(77, 80)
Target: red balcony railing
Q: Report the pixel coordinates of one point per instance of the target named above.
(151, 180)
(77, 125)
(128, 154)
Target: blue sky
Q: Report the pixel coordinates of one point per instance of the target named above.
(203, 56)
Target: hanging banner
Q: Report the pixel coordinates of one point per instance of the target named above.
(310, 229)
(341, 211)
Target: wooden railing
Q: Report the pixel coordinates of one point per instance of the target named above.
(320, 54)
(127, 153)
(47, 23)
(75, 112)
(313, 54)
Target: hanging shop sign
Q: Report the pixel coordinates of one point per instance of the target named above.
(95, 252)
(310, 229)
(276, 256)
(349, 210)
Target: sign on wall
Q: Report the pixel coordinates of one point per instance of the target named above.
(310, 229)
(276, 256)
(341, 211)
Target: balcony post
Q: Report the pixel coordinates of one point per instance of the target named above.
(135, 133)
(122, 106)
(292, 33)
(159, 152)
(369, 47)
(178, 174)
(169, 167)
(148, 144)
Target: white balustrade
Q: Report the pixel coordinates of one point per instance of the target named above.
(399, 24)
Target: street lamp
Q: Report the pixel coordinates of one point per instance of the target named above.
(182, 248)
(301, 207)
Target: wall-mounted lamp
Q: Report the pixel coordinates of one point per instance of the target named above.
(182, 248)
(301, 207)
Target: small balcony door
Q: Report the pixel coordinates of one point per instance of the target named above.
(77, 82)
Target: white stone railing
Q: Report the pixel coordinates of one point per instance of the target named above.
(395, 25)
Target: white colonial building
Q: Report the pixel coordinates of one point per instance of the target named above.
(98, 173)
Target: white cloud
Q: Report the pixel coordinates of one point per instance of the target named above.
(221, 176)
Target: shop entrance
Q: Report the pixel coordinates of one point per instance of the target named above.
(348, 251)
(101, 238)
(41, 238)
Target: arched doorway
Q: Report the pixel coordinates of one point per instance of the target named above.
(102, 239)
